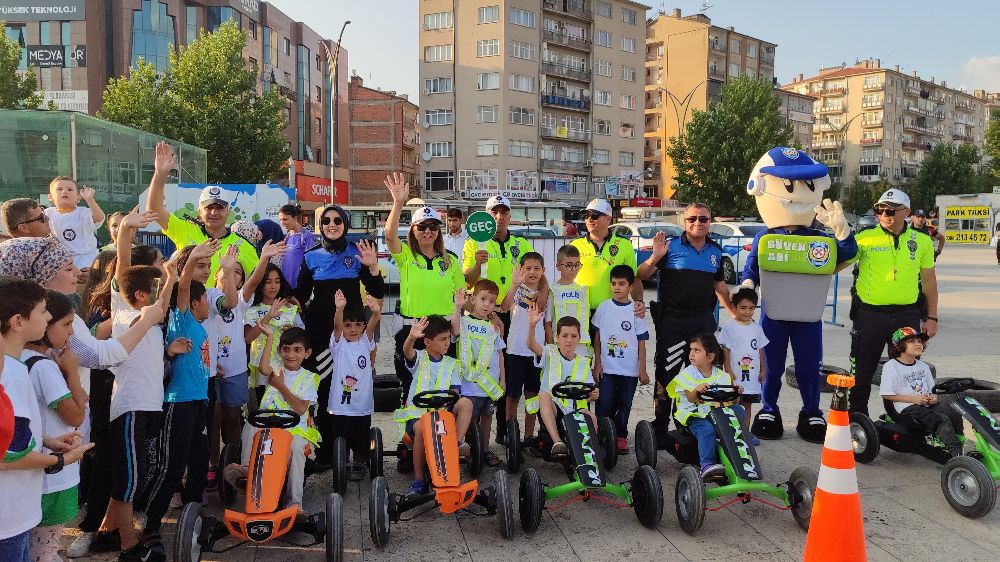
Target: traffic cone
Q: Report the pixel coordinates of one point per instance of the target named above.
(836, 530)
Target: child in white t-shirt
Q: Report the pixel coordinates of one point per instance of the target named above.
(351, 401)
(522, 374)
(619, 353)
(72, 225)
(743, 343)
(273, 308)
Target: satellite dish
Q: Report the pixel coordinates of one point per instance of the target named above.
(426, 124)
(426, 156)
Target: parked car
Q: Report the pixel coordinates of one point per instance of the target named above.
(865, 221)
(534, 231)
(642, 233)
(736, 238)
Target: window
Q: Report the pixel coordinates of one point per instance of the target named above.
(627, 131)
(437, 53)
(601, 156)
(487, 114)
(547, 152)
(488, 48)
(443, 180)
(628, 16)
(751, 51)
(603, 9)
(489, 14)
(628, 73)
(487, 147)
(603, 68)
(628, 44)
(286, 46)
(438, 149)
(520, 50)
(437, 85)
(734, 46)
(438, 20)
(270, 50)
(572, 154)
(602, 38)
(152, 35)
(869, 170)
(191, 23)
(734, 70)
(319, 94)
(627, 101)
(438, 117)
(521, 148)
(602, 97)
(522, 116)
(626, 159)
(602, 127)
(253, 64)
(488, 81)
(317, 125)
(216, 16)
(522, 83)
(522, 17)
(751, 73)
(319, 65)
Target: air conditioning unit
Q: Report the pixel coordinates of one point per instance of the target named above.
(562, 83)
(426, 156)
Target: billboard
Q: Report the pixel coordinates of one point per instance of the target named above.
(251, 202)
(54, 56)
(42, 10)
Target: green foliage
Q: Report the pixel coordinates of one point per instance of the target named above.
(948, 169)
(859, 197)
(714, 157)
(208, 98)
(991, 143)
(16, 92)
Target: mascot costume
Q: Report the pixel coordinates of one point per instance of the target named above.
(793, 265)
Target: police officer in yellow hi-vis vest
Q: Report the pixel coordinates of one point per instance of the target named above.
(895, 264)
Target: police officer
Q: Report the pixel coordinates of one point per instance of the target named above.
(599, 252)
(920, 223)
(895, 265)
(691, 279)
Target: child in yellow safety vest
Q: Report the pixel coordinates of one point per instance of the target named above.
(569, 298)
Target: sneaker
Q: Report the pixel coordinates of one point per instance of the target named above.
(212, 478)
(233, 473)
(464, 450)
(712, 471)
(133, 554)
(530, 446)
(176, 501)
(418, 487)
(753, 440)
(81, 545)
(559, 449)
(622, 445)
(491, 459)
(154, 552)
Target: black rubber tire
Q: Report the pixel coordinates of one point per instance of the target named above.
(877, 376)
(647, 496)
(530, 500)
(606, 437)
(689, 499)
(378, 512)
(985, 392)
(187, 544)
(864, 438)
(729, 272)
(968, 487)
(824, 371)
(505, 504)
(340, 465)
(802, 484)
(475, 460)
(645, 444)
(375, 453)
(513, 446)
(387, 392)
(334, 538)
(227, 492)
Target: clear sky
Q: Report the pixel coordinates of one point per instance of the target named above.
(955, 41)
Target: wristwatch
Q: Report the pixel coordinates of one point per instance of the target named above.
(60, 463)
(934, 318)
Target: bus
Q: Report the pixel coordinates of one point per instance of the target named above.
(368, 218)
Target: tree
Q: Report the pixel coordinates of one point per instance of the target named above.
(991, 143)
(16, 92)
(859, 197)
(208, 97)
(714, 157)
(948, 169)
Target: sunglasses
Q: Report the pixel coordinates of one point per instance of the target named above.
(700, 218)
(335, 220)
(432, 226)
(593, 216)
(571, 265)
(885, 211)
(40, 218)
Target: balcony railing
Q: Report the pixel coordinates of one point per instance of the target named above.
(565, 102)
(716, 73)
(965, 138)
(870, 159)
(566, 40)
(871, 141)
(963, 105)
(871, 122)
(566, 71)
(562, 133)
(869, 86)
(767, 58)
(922, 129)
(916, 145)
(572, 8)
(919, 110)
(826, 143)
(837, 108)
(870, 103)
(562, 165)
(834, 91)
(717, 47)
(911, 91)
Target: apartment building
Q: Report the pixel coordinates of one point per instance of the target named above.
(797, 111)
(876, 122)
(538, 99)
(687, 61)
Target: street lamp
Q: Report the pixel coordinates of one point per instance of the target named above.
(333, 123)
(841, 131)
(680, 118)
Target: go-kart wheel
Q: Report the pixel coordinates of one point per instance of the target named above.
(864, 438)
(505, 505)
(530, 500)
(968, 487)
(475, 459)
(606, 436)
(334, 528)
(188, 541)
(689, 499)
(645, 444)
(378, 512)
(802, 491)
(230, 455)
(513, 445)
(647, 496)
(340, 465)
(375, 453)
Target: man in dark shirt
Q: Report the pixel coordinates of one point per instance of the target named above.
(921, 224)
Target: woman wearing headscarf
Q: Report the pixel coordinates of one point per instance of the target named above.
(335, 264)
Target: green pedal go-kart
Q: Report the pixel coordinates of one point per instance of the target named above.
(585, 464)
(968, 481)
(743, 474)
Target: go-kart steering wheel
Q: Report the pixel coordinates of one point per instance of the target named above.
(573, 390)
(435, 399)
(720, 393)
(953, 386)
(274, 419)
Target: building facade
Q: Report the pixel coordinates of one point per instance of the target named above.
(797, 111)
(687, 61)
(92, 41)
(538, 99)
(384, 139)
(874, 122)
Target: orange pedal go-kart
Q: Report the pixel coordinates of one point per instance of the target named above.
(447, 491)
(265, 518)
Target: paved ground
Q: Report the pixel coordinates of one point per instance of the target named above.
(906, 516)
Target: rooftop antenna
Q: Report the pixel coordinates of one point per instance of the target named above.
(705, 6)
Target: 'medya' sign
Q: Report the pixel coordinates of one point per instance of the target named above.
(42, 10)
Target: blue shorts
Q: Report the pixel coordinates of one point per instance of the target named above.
(481, 406)
(408, 428)
(232, 391)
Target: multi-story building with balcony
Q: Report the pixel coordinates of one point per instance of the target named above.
(687, 61)
(538, 99)
(873, 122)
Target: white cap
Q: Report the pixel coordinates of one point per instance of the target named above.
(600, 205)
(424, 214)
(211, 195)
(895, 197)
(497, 201)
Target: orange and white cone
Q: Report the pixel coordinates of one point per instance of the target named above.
(836, 529)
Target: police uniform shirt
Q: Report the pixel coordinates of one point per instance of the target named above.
(688, 275)
(889, 266)
(596, 264)
(504, 255)
(427, 285)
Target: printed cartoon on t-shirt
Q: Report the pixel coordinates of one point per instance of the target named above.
(349, 383)
(916, 380)
(224, 342)
(616, 347)
(745, 365)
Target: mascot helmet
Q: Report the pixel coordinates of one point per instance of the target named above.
(787, 185)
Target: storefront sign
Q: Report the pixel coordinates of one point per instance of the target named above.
(67, 100)
(967, 224)
(521, 184)
(54, 56)
(556, 183)
(250, 8)
(978, 212)
(646, 202)
(312, 188)
(42, 10)
(967, 237)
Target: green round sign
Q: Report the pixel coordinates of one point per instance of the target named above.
(480, 226)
